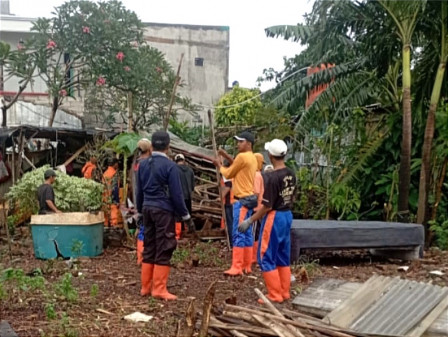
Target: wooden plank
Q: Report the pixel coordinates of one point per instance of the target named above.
(361, 299)
(429, 319)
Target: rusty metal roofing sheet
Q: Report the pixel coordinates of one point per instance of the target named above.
(400, 307)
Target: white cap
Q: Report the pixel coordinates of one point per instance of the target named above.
(276, 147)
(179, 157)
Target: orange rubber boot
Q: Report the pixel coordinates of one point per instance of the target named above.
(139, 252)
(147, 277)
(178, 230)
(248, 256)
(237, 262)
(254, 252)
(285, 281)
(160, 279)
(272, 281)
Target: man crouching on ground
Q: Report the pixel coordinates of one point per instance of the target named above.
(159, 198)
(274, 247)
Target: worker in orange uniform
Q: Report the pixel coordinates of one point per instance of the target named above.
(144, 148)
(227, 200)
(242, 171)
(89, 168)
(274, 247)
(112, 195)
(258, 191)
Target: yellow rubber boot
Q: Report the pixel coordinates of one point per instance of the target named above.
(248, 256)
(285, 281)
(146, 278)
(237, 262)
(272, 281)
(160, 280)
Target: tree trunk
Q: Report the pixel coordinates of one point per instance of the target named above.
(54, 109)
(405, 163)
(425, 172)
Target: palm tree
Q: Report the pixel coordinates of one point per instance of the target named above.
(405, 14)
(441, 27)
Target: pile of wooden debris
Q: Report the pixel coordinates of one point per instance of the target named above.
(239, 321)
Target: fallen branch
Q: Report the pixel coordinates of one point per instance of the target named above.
(208, 303)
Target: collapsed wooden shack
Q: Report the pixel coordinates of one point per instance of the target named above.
(25, 147)
(206, 203)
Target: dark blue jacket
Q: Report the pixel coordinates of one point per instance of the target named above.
(159, 185)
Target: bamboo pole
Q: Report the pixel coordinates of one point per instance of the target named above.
(166, 122)
(218, 175)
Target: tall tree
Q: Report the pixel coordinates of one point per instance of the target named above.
(438, 22)
(405, 14)
(79, 36)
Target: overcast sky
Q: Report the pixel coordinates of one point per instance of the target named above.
(250, 50)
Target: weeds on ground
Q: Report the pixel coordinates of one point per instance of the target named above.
(77, 247)
(208, 254)
(50, 311)
(441, 233)
(306, 268)
(180, 255)
(23, 282)
(65, 288)
(94, 289)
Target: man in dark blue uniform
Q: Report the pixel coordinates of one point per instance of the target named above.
(159, 199)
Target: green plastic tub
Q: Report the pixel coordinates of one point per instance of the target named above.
(67, 235)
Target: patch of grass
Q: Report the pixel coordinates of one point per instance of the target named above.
(180, 255)
(94, 289)
(208, 254)
(23, 281)
(311, 267)
(50, 312)
(66, 289)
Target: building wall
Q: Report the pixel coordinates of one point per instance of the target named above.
(203, 84)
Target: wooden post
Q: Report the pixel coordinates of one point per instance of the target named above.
(166, 122)
(218, 175)
(5, 219)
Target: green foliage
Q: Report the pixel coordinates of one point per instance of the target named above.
(345, 201)
(191, 135)
(125, 143)
(22, 281)
(229, 111)
(50, 311)
(77, 247)
(208, 254)
(94, 289)
(72, 194)
(180, 255)
(440, 231)
(66, 289)
(11, 221)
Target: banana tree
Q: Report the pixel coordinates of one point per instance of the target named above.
(424, 186)
(405, 14)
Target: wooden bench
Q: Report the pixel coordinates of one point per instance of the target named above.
(395, 240)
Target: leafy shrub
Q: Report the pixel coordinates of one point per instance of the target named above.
(65, 288)
(72, 194)
(441, 233)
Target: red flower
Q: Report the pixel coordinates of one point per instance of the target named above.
(120, 56)
(51, 44)
(126, 68)
(85, 29)
(100, 81)
(20, 46)
(159, 70)
(62, 92)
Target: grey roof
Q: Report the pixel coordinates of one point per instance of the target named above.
(388, 306)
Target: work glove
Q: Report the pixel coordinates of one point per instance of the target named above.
(186, 217)
(244, 226)
(191, 226)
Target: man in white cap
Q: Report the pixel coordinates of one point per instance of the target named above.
(274, 248)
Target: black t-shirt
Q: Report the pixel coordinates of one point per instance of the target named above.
(279, 187)
(45, 192)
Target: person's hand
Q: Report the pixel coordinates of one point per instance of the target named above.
(217, 162)
(186, 217)
(222, 152)
(244, 226)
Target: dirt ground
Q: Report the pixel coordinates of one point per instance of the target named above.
(107, 287)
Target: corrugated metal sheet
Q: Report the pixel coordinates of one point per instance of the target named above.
(401, 305)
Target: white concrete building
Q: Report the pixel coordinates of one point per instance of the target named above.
(204, 71)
